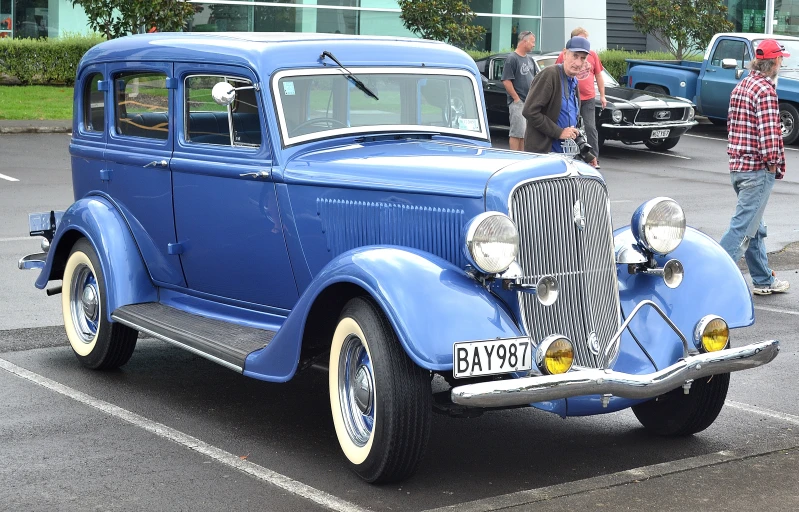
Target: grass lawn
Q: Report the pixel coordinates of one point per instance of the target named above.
(35, 102)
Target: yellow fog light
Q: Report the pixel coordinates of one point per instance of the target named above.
(555, 355)
(712, 334)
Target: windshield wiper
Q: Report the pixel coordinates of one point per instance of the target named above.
(354, 79)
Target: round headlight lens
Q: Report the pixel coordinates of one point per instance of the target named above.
(617, 115)
(691, 113)
(712, 334)
(555, 355)
(659, 225)
(492, 242)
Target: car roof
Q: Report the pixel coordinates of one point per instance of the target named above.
(268, 51)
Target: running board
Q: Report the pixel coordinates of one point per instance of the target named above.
(222, 342)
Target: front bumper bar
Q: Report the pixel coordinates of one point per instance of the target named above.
(527, 390)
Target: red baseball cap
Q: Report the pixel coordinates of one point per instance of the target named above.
(770, 49)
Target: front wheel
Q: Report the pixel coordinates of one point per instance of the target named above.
(97, 343)
(789, 121)
(678, 414)
(380, 400)
(661, 144)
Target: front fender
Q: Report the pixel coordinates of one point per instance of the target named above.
(95, 218)
(430, 303)
(712, 284)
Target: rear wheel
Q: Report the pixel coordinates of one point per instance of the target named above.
(97, 343)
(380, 400)
(789, 119)
(678, 414)
(656, 89)
(661, 144)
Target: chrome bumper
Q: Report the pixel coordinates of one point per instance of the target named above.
(650, 126)
(32, 261)
(529, 390)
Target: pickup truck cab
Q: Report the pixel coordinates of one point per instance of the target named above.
(279, 203)
(709, 83)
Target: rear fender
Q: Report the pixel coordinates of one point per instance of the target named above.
(96, 219)
(430, 303)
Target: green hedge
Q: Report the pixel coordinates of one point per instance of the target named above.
(44, 61)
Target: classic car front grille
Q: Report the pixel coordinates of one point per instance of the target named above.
(549, 215)
(650, 115)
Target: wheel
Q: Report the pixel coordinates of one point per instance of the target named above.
(380, 400)
(656, 89)
(661, 144)
(678, 414)
(97, 343)
(789, 119)
(327, 122)
(718, 122)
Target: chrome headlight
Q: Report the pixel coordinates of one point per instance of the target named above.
(617, 115)
(691, 114)
(659, 225)
(492, 242)
(711, 334)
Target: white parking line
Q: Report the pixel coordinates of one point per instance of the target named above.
(319, 497)
(778, 310)
(9, 178)
(725, 140)
(17, 239)
(523, 499)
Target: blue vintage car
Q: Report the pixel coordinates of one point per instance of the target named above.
(277, 203)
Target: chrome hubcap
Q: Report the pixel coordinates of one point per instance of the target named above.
(787, 123)
(84, 298)
(356, 387)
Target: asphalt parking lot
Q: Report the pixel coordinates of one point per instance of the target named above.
(172, 431)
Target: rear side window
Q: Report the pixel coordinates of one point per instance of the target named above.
(209, 123)
(142, 105)
(93, 104)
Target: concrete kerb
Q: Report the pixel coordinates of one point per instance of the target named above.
(36, 126)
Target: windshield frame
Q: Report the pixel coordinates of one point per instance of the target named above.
(482, 134)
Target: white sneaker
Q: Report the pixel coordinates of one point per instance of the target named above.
(778, 286)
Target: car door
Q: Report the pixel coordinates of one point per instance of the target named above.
(137, 155)
(717, 82)
(494, 91)
(228, 224)
(87, 148)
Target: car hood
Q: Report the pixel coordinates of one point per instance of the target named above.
(625, 96)
(428, 167)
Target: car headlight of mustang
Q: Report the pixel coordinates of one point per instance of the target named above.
(691, 114)
(492, 242)
(617, 115)
(659, 225)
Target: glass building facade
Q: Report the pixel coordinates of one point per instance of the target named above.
(502, 19)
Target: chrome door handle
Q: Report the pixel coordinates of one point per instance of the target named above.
(256, 175)
(157, 163)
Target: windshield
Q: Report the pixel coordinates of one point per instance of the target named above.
(312, 104)
(791, 46)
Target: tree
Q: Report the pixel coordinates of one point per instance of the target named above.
(115, 18)
(442, 20)
(683, 27)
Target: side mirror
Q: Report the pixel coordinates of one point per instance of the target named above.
(223, 94)
(729, 63)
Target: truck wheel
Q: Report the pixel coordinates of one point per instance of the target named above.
(661, 144)
(656, 89)
(97, 343)
(789, 119)
(678, 414)
(381, 400)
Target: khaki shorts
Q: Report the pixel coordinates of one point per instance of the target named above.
(518, 124)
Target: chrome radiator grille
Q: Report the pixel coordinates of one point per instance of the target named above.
(565, 230)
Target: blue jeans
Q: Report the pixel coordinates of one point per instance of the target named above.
(747, 230)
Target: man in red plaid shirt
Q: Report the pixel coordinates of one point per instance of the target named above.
(757, 158)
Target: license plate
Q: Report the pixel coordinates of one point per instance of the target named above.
(492, 357)
(660, 134)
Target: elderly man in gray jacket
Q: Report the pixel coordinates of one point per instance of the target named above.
(553, 103)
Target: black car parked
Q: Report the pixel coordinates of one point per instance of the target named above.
(631, 115)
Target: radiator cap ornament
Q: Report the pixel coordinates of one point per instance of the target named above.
(579, 215)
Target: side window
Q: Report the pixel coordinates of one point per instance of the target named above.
(499, 65)
(142, 105)
(730, 49)
(210, 123)
(93, 104)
